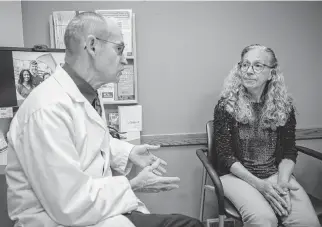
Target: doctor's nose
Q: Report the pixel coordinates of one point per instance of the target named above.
(123, 60)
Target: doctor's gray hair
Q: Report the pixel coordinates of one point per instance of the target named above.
(82, 25)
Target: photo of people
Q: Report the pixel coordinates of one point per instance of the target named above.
(33, 68)
(4, 127)
(25, 83)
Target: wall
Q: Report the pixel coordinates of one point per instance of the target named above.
(11, 24)
(185, 49)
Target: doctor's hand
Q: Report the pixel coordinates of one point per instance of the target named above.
(147, 181)
(142, 157)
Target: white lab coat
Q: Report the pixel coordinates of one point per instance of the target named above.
(60, 157)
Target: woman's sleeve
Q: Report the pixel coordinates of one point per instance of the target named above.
(288, 138)
(223, 137)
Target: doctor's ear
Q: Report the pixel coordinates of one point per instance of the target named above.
(90, 44)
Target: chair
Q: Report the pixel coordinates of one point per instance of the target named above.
(225, 207)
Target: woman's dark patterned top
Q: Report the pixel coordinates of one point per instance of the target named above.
(257, 146)
(259, 150)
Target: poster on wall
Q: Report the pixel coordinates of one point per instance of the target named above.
(4, 127)
(31, 69)
(23, 69)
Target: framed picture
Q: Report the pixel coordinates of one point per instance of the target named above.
(22, 70)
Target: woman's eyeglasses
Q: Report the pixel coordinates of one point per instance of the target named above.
(257, 67)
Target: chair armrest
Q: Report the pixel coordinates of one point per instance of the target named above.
(310, 152)
(214, 178)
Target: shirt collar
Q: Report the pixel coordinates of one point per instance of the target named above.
(85, 88)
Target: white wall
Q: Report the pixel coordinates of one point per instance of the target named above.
(11, 24)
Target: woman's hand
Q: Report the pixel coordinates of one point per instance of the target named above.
(287, 187)
(274, 194)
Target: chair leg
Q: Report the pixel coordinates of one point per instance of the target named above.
(222, 220)
(202, 202)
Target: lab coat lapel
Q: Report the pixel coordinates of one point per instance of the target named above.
(91, 113)
(72, 90)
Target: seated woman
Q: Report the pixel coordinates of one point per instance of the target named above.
(25, 86)
(254, 127)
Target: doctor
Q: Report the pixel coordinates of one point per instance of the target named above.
(62, 161)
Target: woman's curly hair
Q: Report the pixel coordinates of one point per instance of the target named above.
(277, 103)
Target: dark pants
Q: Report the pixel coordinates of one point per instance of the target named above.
(162, 220)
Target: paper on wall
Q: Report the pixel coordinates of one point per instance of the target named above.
(123, 18)
(3, 158)
(107, 92)
(130, 118)
(6, 112)
(125, 86)
(3, 150)
(60, 21)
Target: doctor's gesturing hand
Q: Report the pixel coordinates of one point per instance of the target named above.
(142, 157)
(148, 181)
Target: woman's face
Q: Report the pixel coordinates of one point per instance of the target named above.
(26, 76)
(255, 70)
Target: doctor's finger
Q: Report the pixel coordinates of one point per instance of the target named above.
(151, 147)
(162, 162)
(157, 172)
(156, 164)
(161, 169)
(169, 180)
(169, 187)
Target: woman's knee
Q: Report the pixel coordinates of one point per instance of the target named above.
(265, 218)
(305, 220)
(311, 223)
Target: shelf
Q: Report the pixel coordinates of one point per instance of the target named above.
(124, 102)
